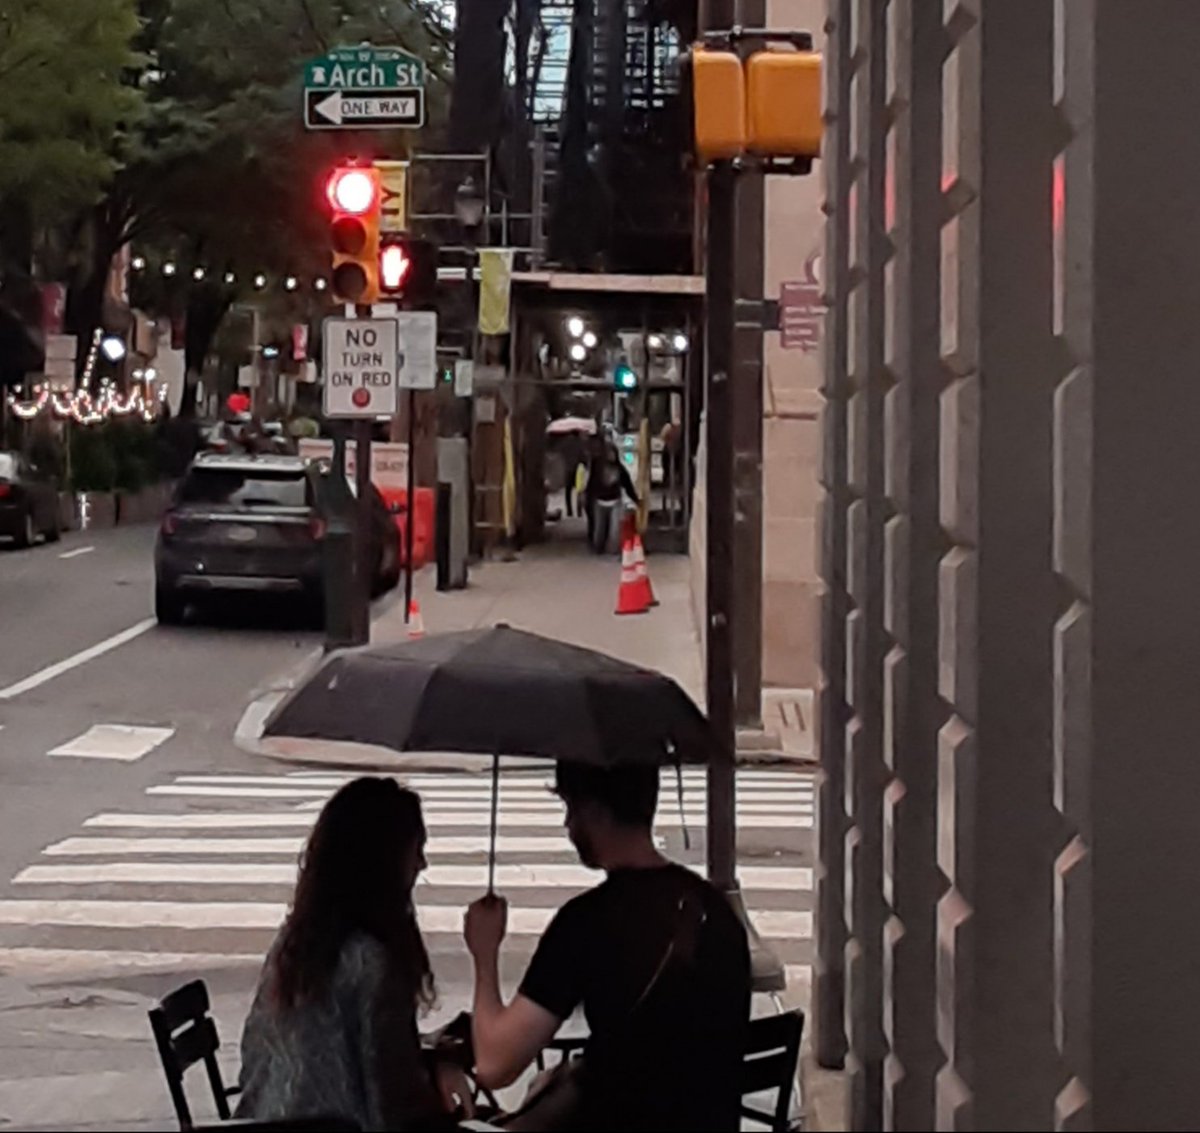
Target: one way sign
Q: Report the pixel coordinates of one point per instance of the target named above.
(365, 110)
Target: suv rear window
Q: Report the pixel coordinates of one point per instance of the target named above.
(232, 487)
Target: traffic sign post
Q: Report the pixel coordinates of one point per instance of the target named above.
(362, 379)
(418, 370)
(362, 367)
(364, 88)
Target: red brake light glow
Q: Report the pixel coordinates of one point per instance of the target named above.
(4, 490)
(170, 524)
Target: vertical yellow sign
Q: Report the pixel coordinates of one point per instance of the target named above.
(393, 181)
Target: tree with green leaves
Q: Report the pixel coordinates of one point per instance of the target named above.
(223, 174)
(63, 97)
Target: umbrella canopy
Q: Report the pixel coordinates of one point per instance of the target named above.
(571, 425)
(498, 691)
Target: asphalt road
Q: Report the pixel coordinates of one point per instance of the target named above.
(121, 878)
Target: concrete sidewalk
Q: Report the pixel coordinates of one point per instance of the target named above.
(557, 589)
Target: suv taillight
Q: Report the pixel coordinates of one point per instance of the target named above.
(4, 490)
(317, 527)
(170, 523)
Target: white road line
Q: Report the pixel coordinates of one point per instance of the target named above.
(188, 790)
(49, 673)
(76, 553)
(522, 921)
(123, 742)
(71, 961)
(451, 779)
(540, 876)
(106, 847)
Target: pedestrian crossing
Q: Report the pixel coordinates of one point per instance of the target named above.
(204, 864)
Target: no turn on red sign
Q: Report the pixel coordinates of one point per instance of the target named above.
(362, 362)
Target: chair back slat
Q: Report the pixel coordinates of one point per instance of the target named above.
(185, 1005)
(772, 1058)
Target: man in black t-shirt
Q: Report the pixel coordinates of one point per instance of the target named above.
(654, 954)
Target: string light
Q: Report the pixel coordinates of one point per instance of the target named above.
(169, 268)
(230, 278)
(260, 281)
(198, 274)
(138, 263)
(86, 410)
(291, 283)
(320, 284)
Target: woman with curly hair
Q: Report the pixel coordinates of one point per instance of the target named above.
(333, 1029)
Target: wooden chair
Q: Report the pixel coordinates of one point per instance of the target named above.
(772, 1058)
(186, 1034)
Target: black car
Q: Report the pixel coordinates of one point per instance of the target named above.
(28, 501)
(255, 524)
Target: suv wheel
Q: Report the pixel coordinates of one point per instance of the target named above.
(28, 532)
(168, 607)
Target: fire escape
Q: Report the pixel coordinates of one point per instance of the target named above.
(620, 195)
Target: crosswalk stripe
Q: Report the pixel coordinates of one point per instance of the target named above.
(223, 792)
(505, 843)
(775, 878)
(303, 817)
(522, 920)
(418, 779)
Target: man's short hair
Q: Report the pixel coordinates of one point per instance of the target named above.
(629, 794)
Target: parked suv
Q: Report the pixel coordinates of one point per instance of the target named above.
(254, 523)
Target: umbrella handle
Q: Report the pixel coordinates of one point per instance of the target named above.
(495, 815)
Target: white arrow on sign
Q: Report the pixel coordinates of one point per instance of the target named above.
(340, 107)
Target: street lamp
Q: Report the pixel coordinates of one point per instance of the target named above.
(469, 204)
(113, 348)
(655, 342)
(590, 340)
(578, 352)
(680, 342)
(575, 326)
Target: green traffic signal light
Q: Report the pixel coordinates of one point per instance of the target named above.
(624, 378)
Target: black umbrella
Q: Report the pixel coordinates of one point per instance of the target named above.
(498, 691)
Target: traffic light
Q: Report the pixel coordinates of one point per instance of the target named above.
(355, 200)
(783, 104)
(718, 104)
(407, 269)
(624, 378)
(769, 106)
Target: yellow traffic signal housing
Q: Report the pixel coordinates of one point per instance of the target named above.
(355, 198)
(718, 104)
(783, 104)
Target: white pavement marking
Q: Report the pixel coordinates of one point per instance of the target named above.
(124, 742)
(483, 794)
(522, 921)
(452, 780)
(774, 878)
(104, 847)
(71, 961)
(49, 673)
(76, 553)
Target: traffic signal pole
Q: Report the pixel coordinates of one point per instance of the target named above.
(410, 503)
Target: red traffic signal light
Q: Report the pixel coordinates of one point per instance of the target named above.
(355, 200)
(352, 191)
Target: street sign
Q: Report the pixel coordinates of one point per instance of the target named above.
(393, 185)
(364, 88)
(361, 367)
(379, 110)
(418, 349)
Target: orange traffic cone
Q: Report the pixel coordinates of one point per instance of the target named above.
(416, 624)
(643, 572)
(631, 594)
